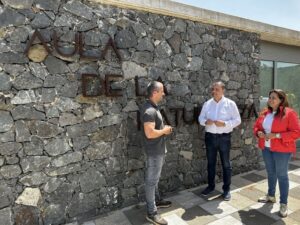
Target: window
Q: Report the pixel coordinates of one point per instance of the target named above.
(285, 76)
(266, 81)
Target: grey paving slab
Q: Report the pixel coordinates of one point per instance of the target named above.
(254, 177)
(295, 216)
(252, 217)
(187, 199)
(295, 178)
(227, 220)
(252, 193)
(196, 216)
(293, 203)
(218, 208)
(295, 192)
(286, 221)
(174, 219)
(198, 191)
(115, 218)
(296, 172)
(239, 201)
(293, 167)
(296, 162)
(166, 211)
(240, 182)
(136, 216)
(262, 172)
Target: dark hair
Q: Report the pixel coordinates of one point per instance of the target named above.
(283, 101)
(220, 83)
(152, 86)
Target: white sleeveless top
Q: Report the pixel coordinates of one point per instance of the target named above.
(267, 125)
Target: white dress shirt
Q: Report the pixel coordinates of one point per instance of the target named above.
(224, 110)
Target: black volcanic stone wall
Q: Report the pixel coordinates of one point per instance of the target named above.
(65, 156)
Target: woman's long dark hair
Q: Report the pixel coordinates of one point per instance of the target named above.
(283, 102)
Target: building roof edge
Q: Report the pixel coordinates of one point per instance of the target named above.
(267, 32)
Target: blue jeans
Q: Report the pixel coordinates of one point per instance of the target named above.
(218, 143)
(277, 164)
(153, 171)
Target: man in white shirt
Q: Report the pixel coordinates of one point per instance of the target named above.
(219, 115)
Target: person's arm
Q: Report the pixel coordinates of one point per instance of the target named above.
(235, 117)
(202, 117)
(256, 127)
(258, 132)
(151, 132)
(293, 128)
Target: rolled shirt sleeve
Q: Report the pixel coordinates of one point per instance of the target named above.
(235, 117)
(202, 118)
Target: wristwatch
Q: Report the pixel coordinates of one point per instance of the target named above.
(277, 135)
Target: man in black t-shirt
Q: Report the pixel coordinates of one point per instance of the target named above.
(154, 132)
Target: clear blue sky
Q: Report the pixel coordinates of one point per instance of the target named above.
(282, 13)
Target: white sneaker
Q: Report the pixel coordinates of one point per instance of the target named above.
(283, 210)
(267, 198)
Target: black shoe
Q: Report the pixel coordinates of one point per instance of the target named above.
(207, 191)
(156, 219)
(226, 196)
(163, 204)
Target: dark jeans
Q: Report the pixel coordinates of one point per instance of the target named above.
(153, 171)
(277, 165)
(218, 143)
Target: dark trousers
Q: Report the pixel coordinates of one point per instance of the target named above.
(218, 143)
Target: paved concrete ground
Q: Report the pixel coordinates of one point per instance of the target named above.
(190, 208)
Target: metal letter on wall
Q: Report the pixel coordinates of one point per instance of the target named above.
(164, 115)
(108, 90)
(38, 35)
(92, 85)
(81, 50)
(111, 44)
(138, 91)
(55, 43)
(248, 111)
(161, 81)
(178, 115)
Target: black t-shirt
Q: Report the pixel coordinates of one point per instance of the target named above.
(149, 112)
